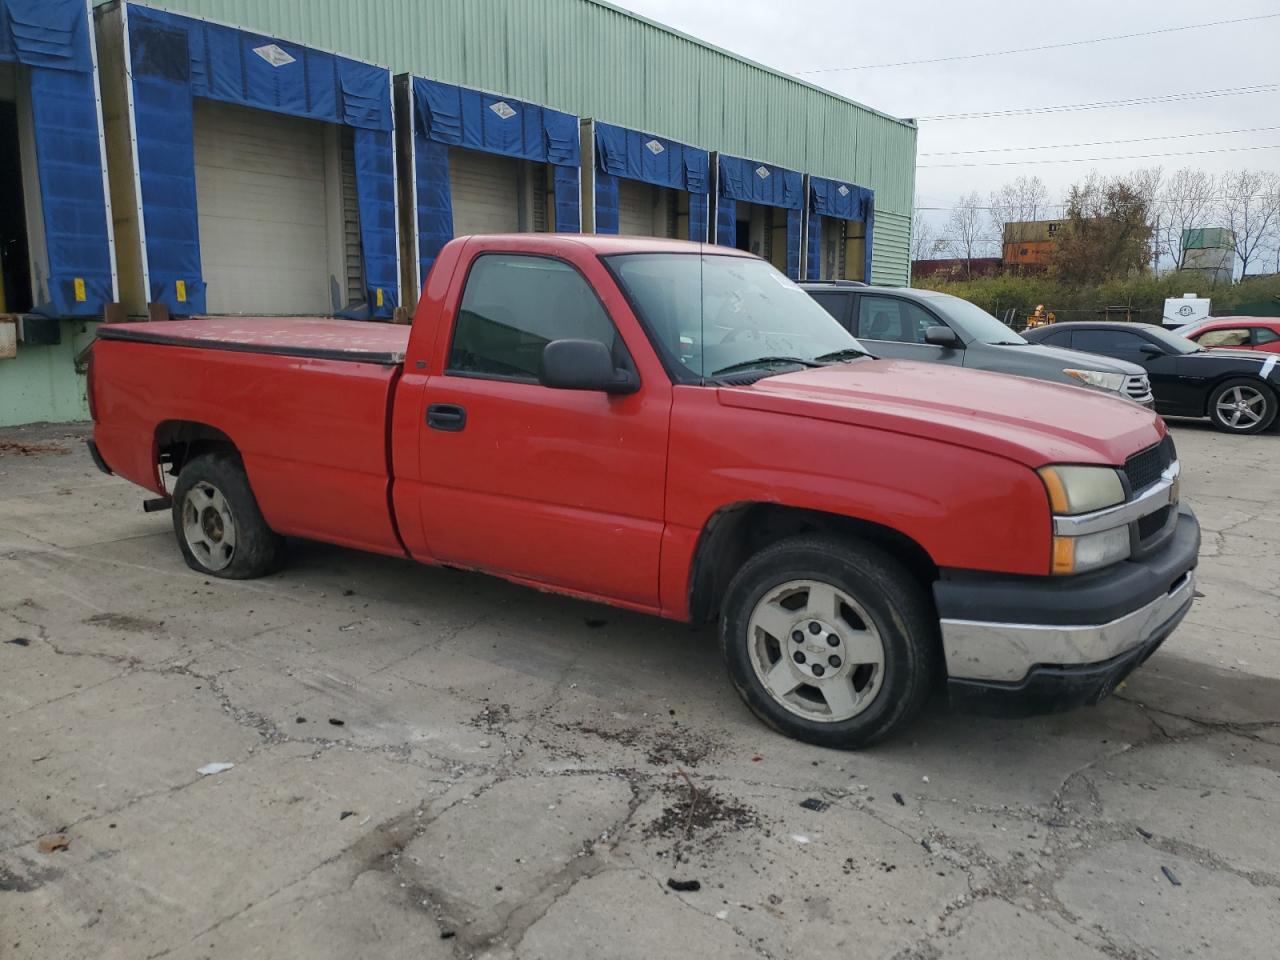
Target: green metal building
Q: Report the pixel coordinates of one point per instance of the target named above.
(588, 59)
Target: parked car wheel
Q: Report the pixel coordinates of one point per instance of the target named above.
(1242, 406)
(217, 521)
(829, 641)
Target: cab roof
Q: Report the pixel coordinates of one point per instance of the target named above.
(604, 245)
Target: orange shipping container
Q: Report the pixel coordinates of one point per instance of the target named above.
(1033, 253)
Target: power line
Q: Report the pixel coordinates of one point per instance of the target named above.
(1047, 46)
(1134, 156)
(1062, 206)
(1108, 104)
(1097, 143)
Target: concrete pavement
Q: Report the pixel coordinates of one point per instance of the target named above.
(429, 763)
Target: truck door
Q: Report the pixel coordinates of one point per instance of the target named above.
(562, 487)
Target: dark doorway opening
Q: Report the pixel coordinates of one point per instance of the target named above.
(15, 262)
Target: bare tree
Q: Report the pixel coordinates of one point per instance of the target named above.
(923, 240)
(1026, 198)
(1250, 209)
(964, 230)
(1145, 182)
(1185, 202)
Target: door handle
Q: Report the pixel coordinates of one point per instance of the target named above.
(446, 416)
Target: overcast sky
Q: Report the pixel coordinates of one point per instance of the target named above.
(802, 35)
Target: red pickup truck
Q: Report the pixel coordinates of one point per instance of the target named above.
(680, 430)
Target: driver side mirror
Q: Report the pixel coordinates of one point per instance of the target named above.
(584, 365)
(1150, 350)
(940, 336)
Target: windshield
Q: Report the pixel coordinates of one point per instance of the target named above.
(1172, 341)
(1189, 328)
(974, 322)
(707, 312)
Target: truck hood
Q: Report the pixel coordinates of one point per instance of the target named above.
(1080, 359)
(1029, 421)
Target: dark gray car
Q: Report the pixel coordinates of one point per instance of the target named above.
(939, 328)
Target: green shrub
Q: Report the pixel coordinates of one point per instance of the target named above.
(1144, 294)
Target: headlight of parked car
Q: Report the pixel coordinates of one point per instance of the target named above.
(1076, 490)
(1091, 551)
(1096, 378)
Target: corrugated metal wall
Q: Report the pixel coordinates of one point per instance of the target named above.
(594, 60)
(891, 249)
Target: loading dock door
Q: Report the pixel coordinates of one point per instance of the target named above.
(265, 238)
(832, 264)
(635, 208)
(486, 192)
(15, 267)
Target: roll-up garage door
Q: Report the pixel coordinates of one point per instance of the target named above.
(486, 193)
(635, 208)
(264, 212)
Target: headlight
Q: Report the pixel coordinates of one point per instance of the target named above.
(1096, 378)
(1093, 550)
(1075, 490)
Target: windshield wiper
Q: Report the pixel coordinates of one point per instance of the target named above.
(844, 354)
(764, 361)
(1008, 343)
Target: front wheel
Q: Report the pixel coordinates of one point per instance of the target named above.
(217, 522)
(828, 641)
(1242, 406)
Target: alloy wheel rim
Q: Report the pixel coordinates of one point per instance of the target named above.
(815, 650)
(208, 526)
(1241, 407)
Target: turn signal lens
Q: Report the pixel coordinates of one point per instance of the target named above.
(1075, 490)
(1064, 555)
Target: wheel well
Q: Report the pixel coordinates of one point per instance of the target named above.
(178, 441)
(735, 533)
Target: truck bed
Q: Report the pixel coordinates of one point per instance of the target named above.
(308, 337)
(305, 402)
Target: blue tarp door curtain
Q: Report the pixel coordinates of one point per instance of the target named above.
(52, 39)
(175, 59)
(633, 155)
(839, 200)
(445, 115)
(765, 184)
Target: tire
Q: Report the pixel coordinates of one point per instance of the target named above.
(858, 596)
(216, 519)
(1243, 400)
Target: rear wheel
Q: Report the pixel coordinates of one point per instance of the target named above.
(1242, 406)
(828, 641)
(216, 519)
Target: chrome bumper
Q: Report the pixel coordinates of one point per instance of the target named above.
(1006, 652)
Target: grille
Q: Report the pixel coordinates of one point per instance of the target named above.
(1138, 387)
(1152, 524)
(1144, 468)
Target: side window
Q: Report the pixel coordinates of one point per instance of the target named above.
(888, 318)
(1106, 341)
(1232, 337)
(513, 306)
(1263, 335)
(1061, 338)
(836, 304)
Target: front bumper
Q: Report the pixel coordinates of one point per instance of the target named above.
(1043, 644)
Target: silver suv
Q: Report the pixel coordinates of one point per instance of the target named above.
(936, 327)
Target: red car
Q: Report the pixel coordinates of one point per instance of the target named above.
(680, 430)
(1235, 333)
